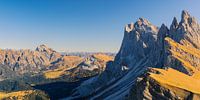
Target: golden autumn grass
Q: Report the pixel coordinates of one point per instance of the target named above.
(193, 51)
(103, 57)
(71, 60)
(56, 73)
(172, 78)
(19, 94)
(176, 51)
(61, 70)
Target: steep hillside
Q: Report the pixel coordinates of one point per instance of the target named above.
(24, 95)
(186, 58)
(77, 67)
(22, 70)
(157, 82)
(6, 72)
(169, 84)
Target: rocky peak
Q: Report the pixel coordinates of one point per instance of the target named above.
(163, 27)
(185, 16)
(187, 31)
(188, 20)
(174, 24)
(139, 42)
(162, 33)
(129, 27)
(44, 48)
(143, 24)
(51, 54)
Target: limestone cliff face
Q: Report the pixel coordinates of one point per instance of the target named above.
(182, 58)
(140, 41)
(182, 53)
(187, 35)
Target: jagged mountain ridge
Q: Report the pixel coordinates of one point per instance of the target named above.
(23, 61)
(156, 83)
(36, 69)
(143, 46)
(16, 63)
(186, 32)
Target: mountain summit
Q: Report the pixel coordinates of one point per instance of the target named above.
(187, 31)
(44, 48)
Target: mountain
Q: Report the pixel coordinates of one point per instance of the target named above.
(186, 32)
(64, 78)
(153, 63)
(181, 54)
(138, 51)
(25, 71)
(28, 61)
(144, 45)
(43, 59)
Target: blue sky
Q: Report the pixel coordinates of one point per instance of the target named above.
(81, 25)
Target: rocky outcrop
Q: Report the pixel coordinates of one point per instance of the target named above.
(95, 61)
(140, 41)
(182, 58)
(169, 84)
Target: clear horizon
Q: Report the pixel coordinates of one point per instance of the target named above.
(81, 25)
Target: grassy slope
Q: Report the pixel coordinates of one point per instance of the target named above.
(62, 70)
(23, 95)
(173, 78)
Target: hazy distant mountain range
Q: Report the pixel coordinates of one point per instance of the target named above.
(152, 64)
(24, 71)
(84, 54)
